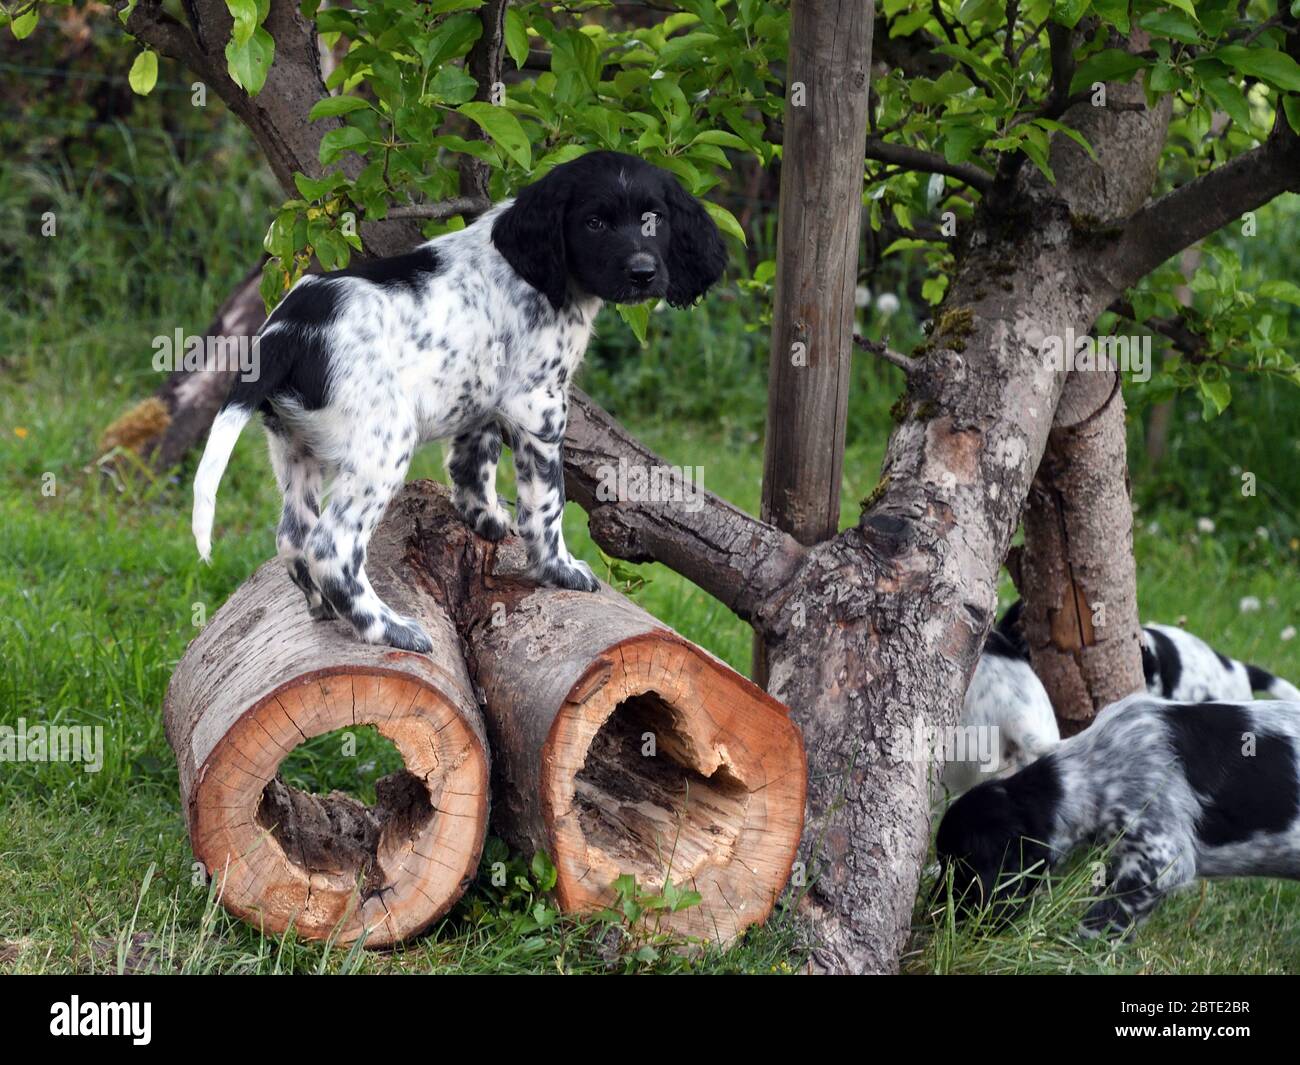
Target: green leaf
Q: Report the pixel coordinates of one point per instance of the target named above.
(1277, 68)
(1215, 396)
(1171, 24)
(637, 316)
(332, 106)
(249, 62)
(338, 141)
(1113, 11)
(22, 26)
(1286, 291)
(516, 37)
(1291, 105)
(316, 188)
(244, 13)
(452, 38)
(1073, 134)
(720, 137)
(724, 220)
(452, 85)
(1068, 12)
(144, 73)
(1113, 64)
(1230, 99)
(503, 128)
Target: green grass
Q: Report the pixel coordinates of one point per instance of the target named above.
(102, 591)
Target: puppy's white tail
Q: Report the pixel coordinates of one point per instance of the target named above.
(226, 428)
(1261, 680)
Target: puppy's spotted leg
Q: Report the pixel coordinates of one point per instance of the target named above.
(298, 474)
(1143, 869)
(336, 548)
(537, 435)
(472, 461)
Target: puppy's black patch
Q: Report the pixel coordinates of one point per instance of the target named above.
(1261, 680)
(1242, 792)
(1169, 666)
(999, 829)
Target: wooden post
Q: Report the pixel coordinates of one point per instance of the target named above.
(260, 679)
(824, 141)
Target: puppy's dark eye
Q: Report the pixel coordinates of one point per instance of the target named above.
(595, 223)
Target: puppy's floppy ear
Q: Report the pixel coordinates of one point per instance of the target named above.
(530, 234)
(696, 254)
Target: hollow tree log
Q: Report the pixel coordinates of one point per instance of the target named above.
(260, 679)
(619, 746)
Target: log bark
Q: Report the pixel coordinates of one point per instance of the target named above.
(619, 746)
(1077, 575)
(260, 679)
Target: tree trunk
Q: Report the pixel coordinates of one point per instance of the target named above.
(262, 678)
(619, 746)
(1077, 574)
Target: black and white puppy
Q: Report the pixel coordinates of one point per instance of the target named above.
(1183, 667)
(1006, 702)
(1180, 666)
(1178, 791)
(472, 337)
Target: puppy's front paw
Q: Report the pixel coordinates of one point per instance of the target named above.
(406, 635)
(491, 525)
(574, 574)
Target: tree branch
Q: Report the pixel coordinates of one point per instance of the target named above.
(733, 556)
(928, 162)
(1180, 218)
(471, 205)
(878, 348)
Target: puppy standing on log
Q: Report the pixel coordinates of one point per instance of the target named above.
(472, 337)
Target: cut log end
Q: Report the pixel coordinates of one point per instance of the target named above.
(329, 866)
(665, 765)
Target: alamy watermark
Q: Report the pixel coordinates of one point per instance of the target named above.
(651, 484)
(53, 743)
(216, 354)
(1132, 354)
(931, 744)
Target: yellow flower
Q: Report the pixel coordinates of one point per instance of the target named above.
(20, 432)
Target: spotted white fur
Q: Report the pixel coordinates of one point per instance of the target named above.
(1175, 791)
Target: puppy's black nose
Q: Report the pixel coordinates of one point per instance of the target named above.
(641, 268)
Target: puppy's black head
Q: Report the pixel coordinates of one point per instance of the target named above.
(617, 228)
(993, 840)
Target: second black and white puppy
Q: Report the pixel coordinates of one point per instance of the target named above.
(474, 338)
(1178, 791)
(1180, 666)
(1006, 702)
(1183, 667)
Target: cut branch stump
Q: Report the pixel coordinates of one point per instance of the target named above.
(262, 678)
